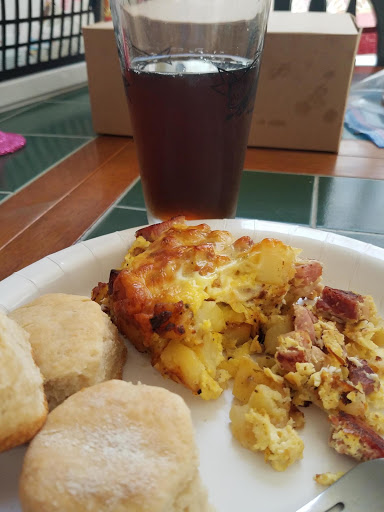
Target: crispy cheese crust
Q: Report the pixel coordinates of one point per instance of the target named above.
(191, 296)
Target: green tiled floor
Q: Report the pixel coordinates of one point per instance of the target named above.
(53, 128)
(11, 113)
(47, 118)
(277, 197)
(260, 198)
(351, 205)
(369, 238)
(77, 96)
(117, 219)
(134, 197)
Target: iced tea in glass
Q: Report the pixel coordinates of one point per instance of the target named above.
(190, 69)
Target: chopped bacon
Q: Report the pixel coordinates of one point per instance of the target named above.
(308, 272)
(151, 233)
(303, 321)
(369, 445)
(340, 304)
(306, 281)
(288, 356)
(243, 244)
(360, 373)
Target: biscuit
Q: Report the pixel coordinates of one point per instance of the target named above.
(115, 447)
(75, 344)
(23, 407)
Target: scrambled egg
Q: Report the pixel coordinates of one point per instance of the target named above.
(328, 478)
(210, 309)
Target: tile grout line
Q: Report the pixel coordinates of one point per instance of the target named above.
(22, 111)
(135, 208)
(67, 193)
(337, 230)
(54, 135)
(314, 202)
(67, 101)
(35, 104)
(311, 175)
(108, 211)
(57, 162)
(4, 196)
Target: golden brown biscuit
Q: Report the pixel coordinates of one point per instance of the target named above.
(23, 407)
(115, 447)
(75, 344)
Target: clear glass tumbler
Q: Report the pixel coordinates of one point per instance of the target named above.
(190, 69)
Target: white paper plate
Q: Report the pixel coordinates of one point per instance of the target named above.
(237, 479)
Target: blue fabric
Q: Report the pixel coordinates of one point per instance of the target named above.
(366, 123)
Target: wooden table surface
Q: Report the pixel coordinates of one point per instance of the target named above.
(55, 210)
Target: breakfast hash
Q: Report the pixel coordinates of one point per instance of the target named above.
(210, 310)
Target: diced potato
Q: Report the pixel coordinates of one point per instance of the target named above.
(231, 316)
(378, 337)
(235, 335)
(210, 311)
(230, 365)
(270, 401)
(241, 429)
(279, 324)
(248, 375)
(275, 261)
(183, 365)
(210, 352)
(265, 361)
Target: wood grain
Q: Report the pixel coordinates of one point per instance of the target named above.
(30, 203)
(355, 160)
(66, 221)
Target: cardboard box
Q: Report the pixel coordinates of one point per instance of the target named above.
(303, 86)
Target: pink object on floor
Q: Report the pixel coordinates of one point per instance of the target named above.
(11, 142)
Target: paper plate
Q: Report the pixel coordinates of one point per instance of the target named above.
(236, 478)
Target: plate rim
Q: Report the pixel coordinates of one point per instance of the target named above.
(19, 279)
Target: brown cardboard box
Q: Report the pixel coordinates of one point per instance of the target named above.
(303, 85)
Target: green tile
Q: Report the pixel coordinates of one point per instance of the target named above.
(39, 153)
(133, 197)
(68, 119)
(275, 196)
(117, 220)
(80, 95)
(3, 195)
(259, 191)
(351, 204)
(12, 112)
(369, 238)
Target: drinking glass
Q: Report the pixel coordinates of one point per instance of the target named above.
(190, 69)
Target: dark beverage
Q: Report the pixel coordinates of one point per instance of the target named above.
(191, 119)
